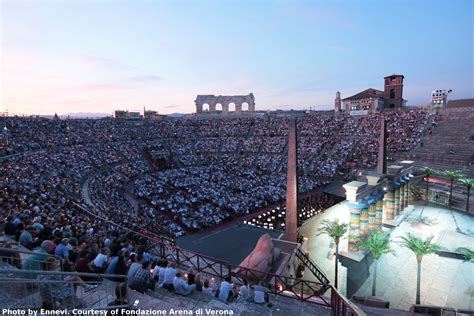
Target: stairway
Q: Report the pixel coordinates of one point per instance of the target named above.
(314, 269)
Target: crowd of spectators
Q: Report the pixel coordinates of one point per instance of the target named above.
(213, 171)
(217, 168)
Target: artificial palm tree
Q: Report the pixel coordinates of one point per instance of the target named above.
(428, 172)
(453, 175)
(468, 183)
(377, 244)
(420, 247)
(467, 252)
(336, 231)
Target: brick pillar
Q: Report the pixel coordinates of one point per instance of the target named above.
(212, 107)
(372, 214)
(238, 107)
(225, 107)
(378, 212)
(389, 203)
(198, 108)
(354, 226)
(291, 215)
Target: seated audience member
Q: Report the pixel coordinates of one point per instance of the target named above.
(260, 295)
(198, 282)
(225, 291)
(244, 292)
(26, 238)
(10, 227)
(100, 262)
(161, 273)
(36, 260)
(62, 250)
(207, 289)
(168, 279)
(191, 276)
(181, 287)
(142, 280)
(134, 267)
(83, 265)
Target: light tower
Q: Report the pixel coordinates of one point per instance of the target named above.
(439, 98)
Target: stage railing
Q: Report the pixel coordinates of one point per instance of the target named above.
(341, 306)
(302, 290)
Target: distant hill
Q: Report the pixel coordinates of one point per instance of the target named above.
(176, 115)
(85, 114)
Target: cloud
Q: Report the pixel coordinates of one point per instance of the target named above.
(103, 63)
(109, 86)
(145, 78)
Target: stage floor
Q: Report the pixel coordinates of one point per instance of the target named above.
(232, 244)
(444, 281)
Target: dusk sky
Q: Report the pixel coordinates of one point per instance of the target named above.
(98, 56)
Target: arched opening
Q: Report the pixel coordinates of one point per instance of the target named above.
(392, 93)
(205, 107)
(218, 107)
(231, 107)
(245, 106)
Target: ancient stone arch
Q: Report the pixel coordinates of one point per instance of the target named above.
(212, 100)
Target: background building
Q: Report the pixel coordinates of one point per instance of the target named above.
(373, 100)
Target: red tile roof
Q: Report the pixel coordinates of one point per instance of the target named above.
(369, 93)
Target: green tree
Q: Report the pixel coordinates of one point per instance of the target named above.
(336, 231)
(467, 252)
(428, 172)
(420, 247)
(452, 175)
(468, 183)
(377, 244)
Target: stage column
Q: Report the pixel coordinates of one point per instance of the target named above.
(354, 226)
(372, 214)
(389, 203)
(378, 212)
(364, 219)
(407, 190)
(396, 205)
(402, 195)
